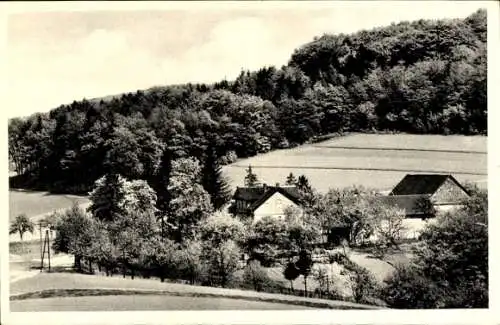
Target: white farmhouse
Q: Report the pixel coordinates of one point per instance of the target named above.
(264, 201)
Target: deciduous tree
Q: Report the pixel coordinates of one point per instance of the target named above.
(21, 225)
(190, 203)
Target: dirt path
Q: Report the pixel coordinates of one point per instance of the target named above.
(20, 267)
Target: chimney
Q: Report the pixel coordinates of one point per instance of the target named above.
(264, 185)
(277, 184)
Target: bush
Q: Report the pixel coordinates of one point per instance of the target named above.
(228, 158)
(337, 257)
(256, 277)
(326, 284)
(189, 261)
(407, 288)
(363, 285)
(222, 261)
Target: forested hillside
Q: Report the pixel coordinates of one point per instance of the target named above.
(417, 77)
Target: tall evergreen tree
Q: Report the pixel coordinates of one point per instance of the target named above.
(303, 184)
(305, 190)
(213, 180)
(251, 179)
(291, 180)
(160, 184)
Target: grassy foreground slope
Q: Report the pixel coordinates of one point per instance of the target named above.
(142, 303)
(371, 160)
(51, 283)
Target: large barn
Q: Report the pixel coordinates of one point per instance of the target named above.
(422, 196)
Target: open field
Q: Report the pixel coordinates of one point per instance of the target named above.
(35, 204)
(377, 161)
(457, 143)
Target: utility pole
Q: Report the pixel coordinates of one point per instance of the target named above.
(41, 245)
(47, 238)
(46, 248)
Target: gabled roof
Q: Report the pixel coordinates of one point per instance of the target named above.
(249, 194)
(409, 203)
(417, 184)
(256, 196)
(290, 193)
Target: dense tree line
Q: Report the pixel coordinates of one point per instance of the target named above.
(420, 77)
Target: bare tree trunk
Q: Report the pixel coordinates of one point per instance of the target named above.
(78, 262)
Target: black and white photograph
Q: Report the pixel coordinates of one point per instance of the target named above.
(252, 156)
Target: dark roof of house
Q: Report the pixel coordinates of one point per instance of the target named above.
(416, 184)
(291, 193)
(255, 196)
(408, 203)
(249, 194)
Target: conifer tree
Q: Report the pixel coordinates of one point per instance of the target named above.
(303, 184)
(161, 184)
(213, 180)
(291, 180)
(251, 179)
(305, 190)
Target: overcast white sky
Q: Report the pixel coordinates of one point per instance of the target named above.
(54, 58)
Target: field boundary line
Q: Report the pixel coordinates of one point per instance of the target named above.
(400, 149)
(362, 168)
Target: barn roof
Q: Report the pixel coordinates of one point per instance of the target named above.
(417, 184)
(408, 203)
